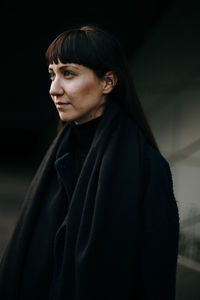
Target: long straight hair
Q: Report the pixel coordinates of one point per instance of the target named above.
(101, 51)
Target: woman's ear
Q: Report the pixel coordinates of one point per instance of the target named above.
(110, 80)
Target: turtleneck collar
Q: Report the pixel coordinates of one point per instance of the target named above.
(84, 133)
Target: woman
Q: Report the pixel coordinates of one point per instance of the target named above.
(100, 220)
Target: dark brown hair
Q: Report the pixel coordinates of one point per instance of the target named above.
(101, 51)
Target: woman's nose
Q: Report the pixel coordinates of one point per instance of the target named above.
(56, 88)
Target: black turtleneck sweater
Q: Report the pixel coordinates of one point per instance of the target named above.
(83, 135)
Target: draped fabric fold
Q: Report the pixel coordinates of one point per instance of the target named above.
(86, 239)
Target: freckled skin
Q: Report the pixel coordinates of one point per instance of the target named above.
(80, 86)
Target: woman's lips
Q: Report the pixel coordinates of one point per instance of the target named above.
(62, 104)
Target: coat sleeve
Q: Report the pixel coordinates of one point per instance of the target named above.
(160, 231)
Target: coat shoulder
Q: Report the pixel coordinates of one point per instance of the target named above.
(155, 161)
(154, 158)
(157, 171)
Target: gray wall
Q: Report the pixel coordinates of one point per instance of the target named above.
(166, 71)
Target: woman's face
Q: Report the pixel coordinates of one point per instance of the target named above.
(77, 92)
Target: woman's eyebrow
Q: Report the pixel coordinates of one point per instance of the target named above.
(70, 66)
(63, 67)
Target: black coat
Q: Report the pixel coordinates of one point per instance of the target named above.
(113, 234)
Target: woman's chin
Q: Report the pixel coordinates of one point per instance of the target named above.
(65, 117)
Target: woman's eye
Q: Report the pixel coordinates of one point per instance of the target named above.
(68, 73)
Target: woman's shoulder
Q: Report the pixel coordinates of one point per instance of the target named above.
(154, 158)
(157, 170)
(160, 203)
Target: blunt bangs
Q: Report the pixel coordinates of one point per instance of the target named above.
(76, 46)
